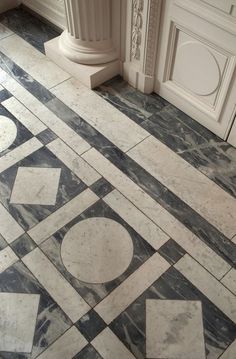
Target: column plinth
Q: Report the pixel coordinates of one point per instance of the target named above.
(85, 49)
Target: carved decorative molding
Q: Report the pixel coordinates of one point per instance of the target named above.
(152, 36)
(137, 24)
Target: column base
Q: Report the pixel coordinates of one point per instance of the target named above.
(90, 75)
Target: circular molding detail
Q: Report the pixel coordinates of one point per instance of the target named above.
(196, 69)
(8, 132)
(97, 250)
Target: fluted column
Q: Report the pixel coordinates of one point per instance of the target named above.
(88, 37)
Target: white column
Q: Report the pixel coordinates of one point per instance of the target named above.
(88, 37)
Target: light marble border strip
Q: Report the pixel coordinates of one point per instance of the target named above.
(74, 162)
(56, 285)
(62, 216)
(208, 285)
(7, 258)
(230, 352)
(229, 281)
(22, 114)
(110, 347)
(66, 347)
(189, 184)
(32, 61)
(61, 129)
(5, 32)
(159, 215)
(131, 288)
(104, 117)
(19, 153)
(9, 228)
(136, 219)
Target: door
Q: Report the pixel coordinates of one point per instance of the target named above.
(197, 60)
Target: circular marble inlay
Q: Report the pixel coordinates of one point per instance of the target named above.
(196, 69)
(97, 250)
(8, 132)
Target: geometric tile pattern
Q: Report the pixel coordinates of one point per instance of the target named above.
(99, 258)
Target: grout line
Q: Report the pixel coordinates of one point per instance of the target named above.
(59, 83)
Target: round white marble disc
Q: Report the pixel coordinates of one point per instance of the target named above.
(97, 250)
(8, 132)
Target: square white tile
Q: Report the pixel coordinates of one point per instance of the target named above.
(18, 313)
(174, 329)
(36, 186)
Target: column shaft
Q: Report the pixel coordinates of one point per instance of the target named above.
(88, 38)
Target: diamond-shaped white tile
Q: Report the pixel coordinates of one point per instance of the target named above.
(18, 313)
(174, 329)
(35, 185)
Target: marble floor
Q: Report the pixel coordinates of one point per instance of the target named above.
(117, 217)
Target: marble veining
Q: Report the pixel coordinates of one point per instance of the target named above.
(102, 255)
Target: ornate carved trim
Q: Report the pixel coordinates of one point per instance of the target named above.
(137, 24)
(152, 36)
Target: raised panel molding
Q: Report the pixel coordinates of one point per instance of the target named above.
(196, 65)
(52, 10)
(198, 69)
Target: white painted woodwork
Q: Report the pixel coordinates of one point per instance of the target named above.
(232, 134)
(88, 37)
(196, 62)
(142, 31)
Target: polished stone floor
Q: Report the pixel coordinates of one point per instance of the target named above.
(117, 217)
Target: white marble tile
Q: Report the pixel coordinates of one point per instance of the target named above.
(229, 280)
(76, 142)
(56, 285)
(110, 347)
(18, 313)
(19, 153)
(121, 297)
(230, 352)
(36, 186)
(168, 223)
(66, 347)
(114, 125)
(62, 216)
(7, 258)
(174, 329)
(208, 285)
(9, 228)
(97, 250)
(32, 61)
(194, 188)
(136, 219)
(74, 162)
(4, 32)
(8, 132)
(27, 118)
(1, 88)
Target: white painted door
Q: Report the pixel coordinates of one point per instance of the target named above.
(197, 60)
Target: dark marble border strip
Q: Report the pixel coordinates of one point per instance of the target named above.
(179, 209)
(29, 27)
(204, 150)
